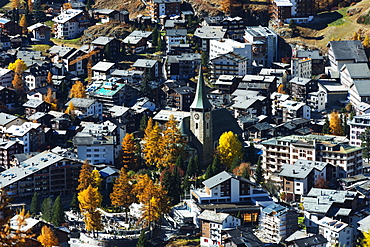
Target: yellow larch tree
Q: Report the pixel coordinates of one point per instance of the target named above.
(89, 200)
(23, 23)
(16, 4)
(144, 188)
(173, 144)
(96, 178)
(49, 79)
(280, 89)
(129, 148)
(85, 178)
(365, 241)
(153, 144)
(19, 66)
(366, 42)
(50, 99)
(47, 237)
(30, 5)
(70, 109)
(335, 124)
(122, 195)
(17, 84)
(226, 5)
(229, 148)
(78, 90)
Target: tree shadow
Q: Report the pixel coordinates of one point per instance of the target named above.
(321, 21)
(314, 37)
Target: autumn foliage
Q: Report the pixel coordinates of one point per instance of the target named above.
(335, 124)
(47, 237)
(229, 148)
(78, 90)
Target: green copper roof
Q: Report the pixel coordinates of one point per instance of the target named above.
(200, 100)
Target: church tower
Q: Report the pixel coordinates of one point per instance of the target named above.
(201, 121)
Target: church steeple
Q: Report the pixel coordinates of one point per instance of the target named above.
(201, 101)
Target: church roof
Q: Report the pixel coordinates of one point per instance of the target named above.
(200, 100)
(223, 121)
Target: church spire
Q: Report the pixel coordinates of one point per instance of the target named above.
(201, 101)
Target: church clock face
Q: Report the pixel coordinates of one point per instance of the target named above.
(196, 116)
(208, 116)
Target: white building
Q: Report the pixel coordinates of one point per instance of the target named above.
(102, 70)
(352, 72)
(228, 64)
(293, 109)
(316, 100)
(6, 77)
(264, 45)
(30, 135)
(175, 37)
(70, 23)
(96, 149)
(223, 46)
(87, 107)
(212, 224)
(336, 232)
(357, 126)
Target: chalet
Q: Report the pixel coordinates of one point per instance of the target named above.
(34, 105)
(9, 27)
(8, 97)
(87, 107)
(137, 41)
(149, 66)
(40, 32)
(108, 45)
(107, 15)
(159, 8)
(103, 70)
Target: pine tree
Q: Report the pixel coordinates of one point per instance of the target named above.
(21, 236)
(155, 35)
(35, 204)
(335, 124)
(171, 182)
(78, 90)
(142, 242)
(122, 195)
(204, 59)
(229, 147)
(74, 203)
(209, 172)
(88, 4)
(345, 126)
(107, 52)
(258, 176)
(217, 166)
(191, 170)
(57, 217)
(47, 237)
(143, 124)
(46, 209)
(85, 178)
(129, 157)
(160, 44)
(326, 127)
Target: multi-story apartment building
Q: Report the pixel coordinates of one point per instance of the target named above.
(182, 66)
(96, 149)
(235, 25)
(212, 223)
(336, 232)
(345, 52)
(278, 222)
(7, 149)
(299, 11)
(46, 173)
(299, 178)
(264, 45)
(8, 97)
(175, 37)
(228, 64)
(301, 87)
(7, 120)
(87, 107)
(159, 8)
(301, 67)
(6, 77)
(30, 135)
(70, 23)
(357, 126)
(325, 148)
(203, 35)
(338, 204)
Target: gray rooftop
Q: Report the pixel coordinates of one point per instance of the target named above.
(144, 63)
(348, 50)
(301, 168)
(6, 118)
(143, 34)
(33, 103)
(102, 40)
(357, 70)
(309, 54)
(176, 32)
(212, 216)
(275, 209)
(210, 32)
(300, 81)
(80, 102)
(362, 87)
(103, 66)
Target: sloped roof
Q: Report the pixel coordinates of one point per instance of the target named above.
(200, 100)
(212, 216)
(348, 49)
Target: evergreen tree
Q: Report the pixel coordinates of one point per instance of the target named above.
(209, 172)
(180, 162)
(88, 4)
(258, 176)
(326, 127)
(46, 209)
(35, 204)
(191, 170)
(143, 124)
(217, 166)
(142, 242)
(74, 203)
(38, 14)
(345, 125)
(155, 35)
(107, 52)
(160, 44)
(204, 59)
(57, 217)
(236, 162)
(197, 167)
(365, 143)
(251, 152)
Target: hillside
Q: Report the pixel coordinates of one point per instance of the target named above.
(115, 30)
(334, 25)
(134, 7)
